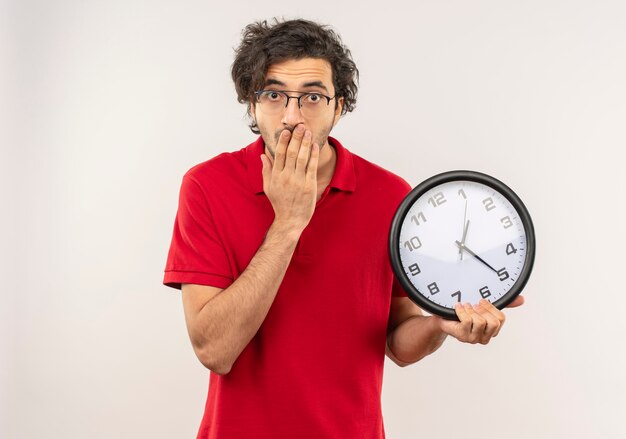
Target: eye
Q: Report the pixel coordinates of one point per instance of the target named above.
(272, 96)
(312, 98)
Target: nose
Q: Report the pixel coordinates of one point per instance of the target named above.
(292, 115)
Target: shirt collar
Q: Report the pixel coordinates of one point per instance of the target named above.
(344, 177)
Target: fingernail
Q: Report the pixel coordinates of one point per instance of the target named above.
(300, 128)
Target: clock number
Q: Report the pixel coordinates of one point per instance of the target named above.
(413, 243)
(510, 249)
(462, 193)
(438, 199)
(433, 288)
(484, 292)
(506, 222)
(488, 203)
(502, 273)
(457, 295)
(414, 269)
(416, 218)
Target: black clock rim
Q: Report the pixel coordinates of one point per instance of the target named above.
(421, 189)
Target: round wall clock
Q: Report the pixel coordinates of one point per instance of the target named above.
(461, 236)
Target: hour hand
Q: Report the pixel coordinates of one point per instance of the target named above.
(463, 239)
(462, 246)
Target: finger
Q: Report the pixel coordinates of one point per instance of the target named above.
(304, 154)
(311, 169)
(281, 148)
(479, 324)
(518, 301)
(461, 313)
(487, 305)
(464, 328)
(495, 312)
(294, 147)
(266, 171)
(269, 157)
(493, 324)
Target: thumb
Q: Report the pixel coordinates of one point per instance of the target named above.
(449, 327)
(518, 301)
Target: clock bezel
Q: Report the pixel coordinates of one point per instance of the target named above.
(460, 175)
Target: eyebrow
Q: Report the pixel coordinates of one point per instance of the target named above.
(319, 84)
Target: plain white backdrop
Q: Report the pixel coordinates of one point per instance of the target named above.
(105, 104)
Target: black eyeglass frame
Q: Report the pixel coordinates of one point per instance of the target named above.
(258, 93)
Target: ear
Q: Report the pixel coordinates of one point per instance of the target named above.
(338, 109)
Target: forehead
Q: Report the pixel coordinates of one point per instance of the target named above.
(296, 73)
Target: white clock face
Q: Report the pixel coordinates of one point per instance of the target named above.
(462, 241)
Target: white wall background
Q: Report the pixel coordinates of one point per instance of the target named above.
(105, 104)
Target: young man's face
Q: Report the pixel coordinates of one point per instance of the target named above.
(306, 75)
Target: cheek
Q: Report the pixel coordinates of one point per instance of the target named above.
(322, 130)
(337, 114)
(269, 132)
(265, 122)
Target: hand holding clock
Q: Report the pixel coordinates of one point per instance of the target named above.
(477, 323)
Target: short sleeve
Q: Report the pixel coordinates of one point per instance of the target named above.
(397, 290)
(197, 254)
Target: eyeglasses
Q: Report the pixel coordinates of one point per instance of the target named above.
(275, 101)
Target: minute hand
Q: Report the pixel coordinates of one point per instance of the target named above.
(464, 247)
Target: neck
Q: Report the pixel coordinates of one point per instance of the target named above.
(326, 165)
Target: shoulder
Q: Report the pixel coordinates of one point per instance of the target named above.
(375, 177)
(227, 176)
(229, 172)
(368, 175)
(224, 165)
(372, 169)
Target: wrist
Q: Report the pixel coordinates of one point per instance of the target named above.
(288, 226)
(436, 327)
(285, 232)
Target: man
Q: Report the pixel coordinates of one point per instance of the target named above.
(281, 253)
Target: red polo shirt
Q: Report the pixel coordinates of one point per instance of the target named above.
(314, 369)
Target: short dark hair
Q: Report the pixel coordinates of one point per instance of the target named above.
(263, 45)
